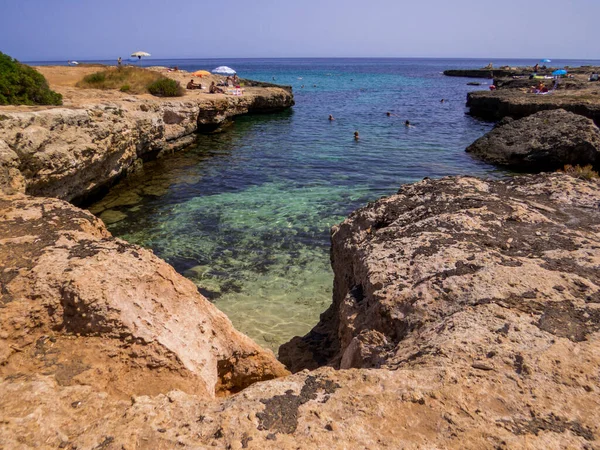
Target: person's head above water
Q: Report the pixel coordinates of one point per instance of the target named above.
(331, 117)
(356, 135)
(388, 113)
(407, 123)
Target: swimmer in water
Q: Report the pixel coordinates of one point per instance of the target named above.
(388, 114)
(356, 136)
(331, 117)
(407, 124)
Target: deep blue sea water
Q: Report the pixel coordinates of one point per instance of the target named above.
(246, 214)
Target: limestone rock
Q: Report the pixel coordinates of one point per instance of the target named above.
(70, 153)
(11, 179)
(467, 311)
(517, 104)
(496, 282)
(543, 141)
(93, 310)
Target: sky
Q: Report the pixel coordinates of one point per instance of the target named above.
(44, 30)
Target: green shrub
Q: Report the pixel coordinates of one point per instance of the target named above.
(95, 78)
(125, 88)
(23, 85)
(165, 87)
(583, 173)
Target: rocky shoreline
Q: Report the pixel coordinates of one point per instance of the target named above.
(505, 72)
(73, 152)
(513, 97)
(465, 312)
(496, 105)
(551, 129)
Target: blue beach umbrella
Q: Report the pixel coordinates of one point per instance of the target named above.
(559, 72)
(545, 61)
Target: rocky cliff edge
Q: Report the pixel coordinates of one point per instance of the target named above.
(70, 153)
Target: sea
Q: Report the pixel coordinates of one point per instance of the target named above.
(246, 214)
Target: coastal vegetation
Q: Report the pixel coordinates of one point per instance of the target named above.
(583, 173)
(133, 80)
(23, 85)
(165, 87)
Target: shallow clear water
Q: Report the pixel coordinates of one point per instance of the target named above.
(246, 214)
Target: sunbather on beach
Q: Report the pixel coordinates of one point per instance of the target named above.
(192, 85)
(215, 90)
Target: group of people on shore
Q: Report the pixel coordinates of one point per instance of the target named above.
(214, 87)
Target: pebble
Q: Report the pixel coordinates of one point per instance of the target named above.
(481, 366)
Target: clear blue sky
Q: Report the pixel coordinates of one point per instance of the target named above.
(106, 29)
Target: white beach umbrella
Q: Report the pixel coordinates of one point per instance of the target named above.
(224, 70)
(140, 54)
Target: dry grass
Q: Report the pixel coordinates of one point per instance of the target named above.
(583, 173)
(133, 80)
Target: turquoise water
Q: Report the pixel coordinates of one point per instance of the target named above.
(246, 214)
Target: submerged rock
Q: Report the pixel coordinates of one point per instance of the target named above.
(110, 216)
(543, 141)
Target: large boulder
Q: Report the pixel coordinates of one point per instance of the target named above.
(543, 141)
(89, 309)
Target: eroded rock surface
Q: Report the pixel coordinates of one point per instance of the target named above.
(466, 315)
(498, 279)
(69, 153)
(543, 141)
(517, 104)
(89, 309)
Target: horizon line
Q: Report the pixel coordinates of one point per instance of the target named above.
(316, 57)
